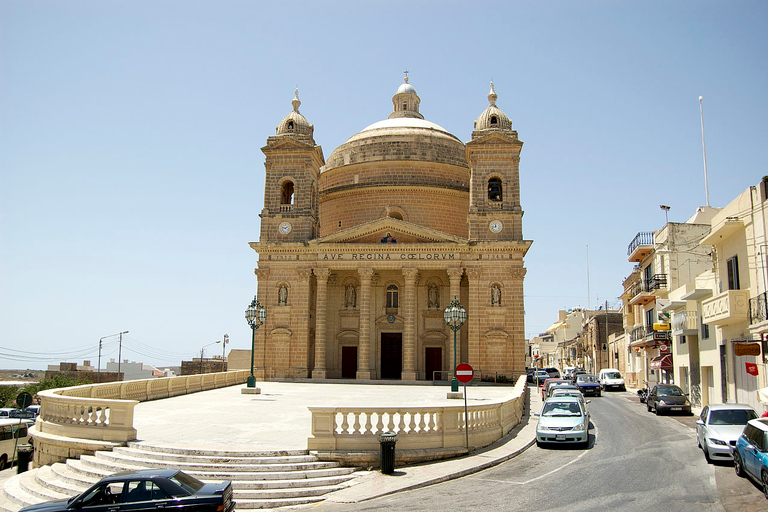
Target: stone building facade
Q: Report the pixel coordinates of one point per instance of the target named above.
(360, 254)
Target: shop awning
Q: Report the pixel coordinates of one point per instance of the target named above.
(662, 362)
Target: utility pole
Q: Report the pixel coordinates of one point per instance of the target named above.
(98, 369)
(120, 355)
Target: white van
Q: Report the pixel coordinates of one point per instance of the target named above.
(610, 378)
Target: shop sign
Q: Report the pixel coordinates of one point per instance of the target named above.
(746, 349)
(751, 369)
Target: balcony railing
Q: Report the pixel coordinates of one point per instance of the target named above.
(758, 308)
(642, 239)
(729, 307)
(286, 208)
(685, 323)
(657, 281)
(641, 333)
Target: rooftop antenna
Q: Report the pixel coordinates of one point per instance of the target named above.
(704, 147)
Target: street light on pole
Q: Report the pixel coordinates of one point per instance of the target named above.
(455, 315)
(255, 315)
(201, 354)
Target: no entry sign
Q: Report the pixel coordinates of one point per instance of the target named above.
(464, 373)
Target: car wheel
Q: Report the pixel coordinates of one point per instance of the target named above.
(738, 465)
(538, 443)
(706, 455)
(656, 410)
(648, 406)
(3, 460)
(764, 478)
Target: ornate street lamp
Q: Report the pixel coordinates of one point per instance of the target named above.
(455, 315)
(255, 315)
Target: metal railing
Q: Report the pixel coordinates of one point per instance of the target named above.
(642, 238)
(758, 308)
(641, 333)
(656, 282)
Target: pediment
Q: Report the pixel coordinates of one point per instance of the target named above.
(496, 137)
(389, 230)
(288, 143)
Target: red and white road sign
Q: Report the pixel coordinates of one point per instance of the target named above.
(464, 373)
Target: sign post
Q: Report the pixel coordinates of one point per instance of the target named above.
(464, 374)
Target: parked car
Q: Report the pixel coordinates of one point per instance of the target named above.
(588, 384)
(553, 372)
(667, 398)
(35, 409)
(750, 456)
(563, 420)
(610, 378)
(539, 376)
(719, 426)
(559, 391)
(545, 387)
(5, 412)
(149, 489)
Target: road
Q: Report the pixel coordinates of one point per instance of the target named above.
(636, 461)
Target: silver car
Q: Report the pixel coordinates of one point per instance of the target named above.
(563, 420)
(718, 428)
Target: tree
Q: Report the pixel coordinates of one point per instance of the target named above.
(57, 381)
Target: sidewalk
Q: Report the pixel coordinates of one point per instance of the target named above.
(376, 484)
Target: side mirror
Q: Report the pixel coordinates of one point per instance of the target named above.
(699, 422)
(589, 401)
(537, 414)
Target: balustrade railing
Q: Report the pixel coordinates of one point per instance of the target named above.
(642, 238)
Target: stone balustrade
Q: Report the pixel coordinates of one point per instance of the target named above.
(83, 419)
(349, 433)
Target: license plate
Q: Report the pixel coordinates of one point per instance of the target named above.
(675, 408)
(560, 437)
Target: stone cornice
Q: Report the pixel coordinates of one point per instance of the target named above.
(388, 224)
(456, 189)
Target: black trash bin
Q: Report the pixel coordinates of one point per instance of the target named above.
(387, 440)
(24, 452)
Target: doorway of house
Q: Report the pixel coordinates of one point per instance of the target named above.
(348, 362)
(433, 362)
(391, 355)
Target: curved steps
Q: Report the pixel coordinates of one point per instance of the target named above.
(260, 479)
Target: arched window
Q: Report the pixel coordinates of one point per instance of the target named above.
(494, 121)
(286, 196)
(494, 189)
(290, 125)
(392, 296)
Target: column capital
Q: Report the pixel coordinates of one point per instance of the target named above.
(304, 273)
(322, 273)
(411, 274)
(474, 273)
(455, 272)
(261, 273)
(518, 273)
(366, 274)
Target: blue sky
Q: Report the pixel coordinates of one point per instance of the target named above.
(131, 175)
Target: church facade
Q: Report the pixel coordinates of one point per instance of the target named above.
(359, 254)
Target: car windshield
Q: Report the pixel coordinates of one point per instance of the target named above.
(612, 375)
(586, 378)
(670, 391)
(561, 409)
(566, 392)
(731, 417)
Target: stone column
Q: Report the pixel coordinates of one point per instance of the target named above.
(517, 312)
(365, 302)
(298, 362)
(318, 372)
(409, 336)
(259, 346)
(454, 278)
(475, 310)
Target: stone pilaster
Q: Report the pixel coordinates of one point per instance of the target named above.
(364, 343)
(411, 276)
(475, 308)
(517, 312)
(260, 337)
(299, 353)
(454, 278)
(318, 372)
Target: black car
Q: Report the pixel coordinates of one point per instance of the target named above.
(150, 489)
(667, 398)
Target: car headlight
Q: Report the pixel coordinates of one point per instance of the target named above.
(580, 426)
(717, 441)
(687, 402)
(662, 402)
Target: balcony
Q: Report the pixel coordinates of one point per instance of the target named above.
(685, 323)
(729, 307)
(286, 208)
(640, 247)
(758, 309)
(642, 292)
(640, 334)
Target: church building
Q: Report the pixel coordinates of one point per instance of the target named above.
(359, 254)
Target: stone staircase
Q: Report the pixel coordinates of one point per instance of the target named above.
(264, 479)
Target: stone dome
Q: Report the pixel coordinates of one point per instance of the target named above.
(493, 118)
(295, 123)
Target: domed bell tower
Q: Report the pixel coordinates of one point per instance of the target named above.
(493, 154)
(293, 163)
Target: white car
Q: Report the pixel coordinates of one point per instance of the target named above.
(610, 378)
(718, 428)
(563, 420)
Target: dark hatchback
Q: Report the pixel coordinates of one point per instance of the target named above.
(668, 398)
(588, 385)
(150, 489)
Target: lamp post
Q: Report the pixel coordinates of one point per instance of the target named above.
(202, 350)
(224, 351)
(455, 315)
(255, 315)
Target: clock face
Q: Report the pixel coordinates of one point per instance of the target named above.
(496, 226)
(285, 228)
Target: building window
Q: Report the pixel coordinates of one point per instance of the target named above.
(494, 121)
(494, 189)
(286, 196)
(704, 331)
(290, 125)
(732, 265)
(650, 317)
(392, 296)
